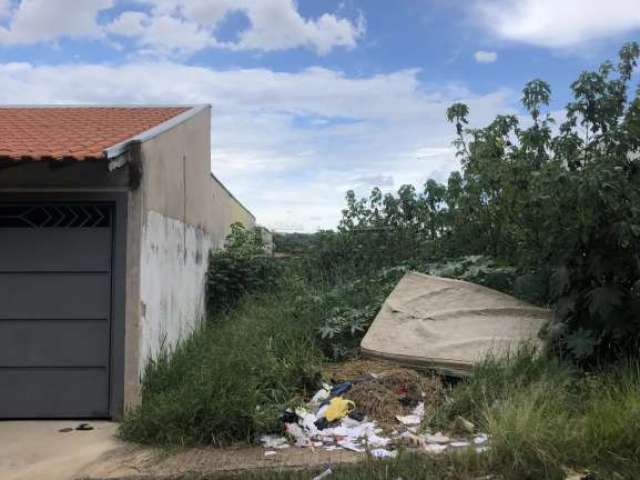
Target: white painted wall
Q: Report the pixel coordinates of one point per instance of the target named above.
(179, 212)
(173, 266)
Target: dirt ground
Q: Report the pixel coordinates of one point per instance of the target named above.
(134, 463)
(53, 450)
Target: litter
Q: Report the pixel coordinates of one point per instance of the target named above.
(289, 417)
(573, 475)
(435, 448)
(482, 449)
(84, 427)
(464, 425)
(341, 389)
(324, 474)
(419, 410)
(374, 440)
(412, 440)
(338, 408)
(349, 445)
(307, 420)
(357, 415)
(460, 444)
(415, 418)
(274, 441)
(436, 438)
(300, 437)
(320, 396)
(409, 419)
(322, 423)
(331, 422)
(382, 453)
(481, 439)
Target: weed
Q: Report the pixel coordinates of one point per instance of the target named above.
(230, 380)
(462, 466)
(544, 416)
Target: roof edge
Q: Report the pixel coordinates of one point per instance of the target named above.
(120, 148)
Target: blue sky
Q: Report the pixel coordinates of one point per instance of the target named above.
(310, 98)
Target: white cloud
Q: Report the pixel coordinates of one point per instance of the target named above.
(557, 23)
(5, 8)
(180, 26)
(163, 33)
(267, 145)
(273, 25)
(482, 56)
(45, 20)
(277, 25)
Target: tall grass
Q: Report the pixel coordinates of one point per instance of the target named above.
(230, 380)
(544, 416)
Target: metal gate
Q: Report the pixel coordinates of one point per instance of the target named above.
(55, 309)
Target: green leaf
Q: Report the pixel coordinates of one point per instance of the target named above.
(560, 281)
(604, 300)
(581, 343)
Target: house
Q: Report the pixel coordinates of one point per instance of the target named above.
(107, 216)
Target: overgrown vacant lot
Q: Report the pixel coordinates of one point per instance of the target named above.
(233, 379)
(548, 215)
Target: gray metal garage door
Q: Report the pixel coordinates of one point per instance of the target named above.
(55, 303)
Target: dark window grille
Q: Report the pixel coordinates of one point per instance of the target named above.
(55, 216)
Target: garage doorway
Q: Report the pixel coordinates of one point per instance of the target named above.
(56, 269)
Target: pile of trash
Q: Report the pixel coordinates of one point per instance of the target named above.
(350, 416)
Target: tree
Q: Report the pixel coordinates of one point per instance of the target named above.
(563, 202)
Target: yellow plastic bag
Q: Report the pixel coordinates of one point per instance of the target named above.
(338, 408)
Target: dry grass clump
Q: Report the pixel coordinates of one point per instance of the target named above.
(377, 401)
(354, 369)
(382, 390)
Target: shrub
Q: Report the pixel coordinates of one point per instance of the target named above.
(477, 269)
(349, 308)
(239, 269)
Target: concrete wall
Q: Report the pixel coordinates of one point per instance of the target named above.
(172, 293)
(235, 212)
(180, 212)
(267, 239)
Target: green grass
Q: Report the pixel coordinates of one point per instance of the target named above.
(231, 380)
(408, 466)
(544, 416)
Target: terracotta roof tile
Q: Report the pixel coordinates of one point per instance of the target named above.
(81, 133)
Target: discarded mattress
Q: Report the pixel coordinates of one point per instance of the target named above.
(449, 325)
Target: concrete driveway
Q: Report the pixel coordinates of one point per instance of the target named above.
(35, 450)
